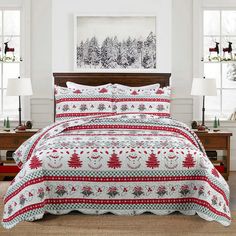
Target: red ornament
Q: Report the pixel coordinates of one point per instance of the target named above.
(215, 172)
(103, 90)
(114, 161)
(35, 163)
(159, 91)
(189, 161)
(75, 161)
(152, 161)
(134, 93)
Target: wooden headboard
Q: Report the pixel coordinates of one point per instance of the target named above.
(130, 79)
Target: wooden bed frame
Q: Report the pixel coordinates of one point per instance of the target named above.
(94, 79)
(130, 79)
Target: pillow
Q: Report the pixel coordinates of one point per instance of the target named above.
(143, 89)
(150, 100)
(87, 102)
(81, 87)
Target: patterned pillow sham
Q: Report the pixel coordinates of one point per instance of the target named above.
(142, 89)
(154, 101)
(81, 87)
(87, 102)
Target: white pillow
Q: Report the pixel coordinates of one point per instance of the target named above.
(75, 86)
(148, 89)
(151, 86)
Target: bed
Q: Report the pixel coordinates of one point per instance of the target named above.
(125, 163)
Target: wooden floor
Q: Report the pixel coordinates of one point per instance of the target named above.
(148, 224)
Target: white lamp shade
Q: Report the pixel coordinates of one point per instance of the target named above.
(19, 87)
(204, 87)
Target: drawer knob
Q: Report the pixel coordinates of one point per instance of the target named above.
(206, 141)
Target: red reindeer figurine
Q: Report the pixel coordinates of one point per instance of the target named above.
(7, 49)
(215, 49)
(228, 50)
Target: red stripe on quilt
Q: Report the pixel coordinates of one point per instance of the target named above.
(147, 113)
(116, 201)
(83, 99)
(113, 99)
(141, 100)
(76, 114)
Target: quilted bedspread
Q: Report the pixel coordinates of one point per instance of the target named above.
(123, 164)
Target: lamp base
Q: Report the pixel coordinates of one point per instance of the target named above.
(21, 127)
(202, 128)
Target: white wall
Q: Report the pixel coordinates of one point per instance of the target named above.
(41, 48)
(182, 47)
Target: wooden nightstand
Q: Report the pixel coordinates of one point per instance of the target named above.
(213, 141)
(11, 141)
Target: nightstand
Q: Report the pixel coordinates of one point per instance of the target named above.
(11, 141)
(213, 141)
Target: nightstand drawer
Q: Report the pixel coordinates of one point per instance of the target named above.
(12, 142)
(214, 142)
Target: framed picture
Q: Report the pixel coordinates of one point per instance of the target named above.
(115, 43)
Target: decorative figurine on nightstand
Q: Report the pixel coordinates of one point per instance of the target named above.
(216, 125)
(7, 125)
(28, 124)
(194, 124)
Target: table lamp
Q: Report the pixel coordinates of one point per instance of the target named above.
(203, 87)
(19, 87)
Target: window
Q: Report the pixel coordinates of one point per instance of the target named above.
(10, 39)
(219, 32)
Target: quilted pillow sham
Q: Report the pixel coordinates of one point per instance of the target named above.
(150, 100)
(81, 87)
(87, 102)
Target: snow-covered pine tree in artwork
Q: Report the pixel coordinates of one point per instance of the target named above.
(189, 162)
(85, 53)
(105, 52)
(139, 50)
(75, 161)
(122, 58)
(94, 52)
(35, 163)
(114, 52)
(152, 161)
(114, 161)
(132, 52)
(149, 58)
(80, 54)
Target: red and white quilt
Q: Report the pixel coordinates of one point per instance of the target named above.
(124, 164)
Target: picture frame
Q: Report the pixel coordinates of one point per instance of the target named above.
(115, 43)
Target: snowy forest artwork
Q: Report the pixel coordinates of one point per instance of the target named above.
(115, 42)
